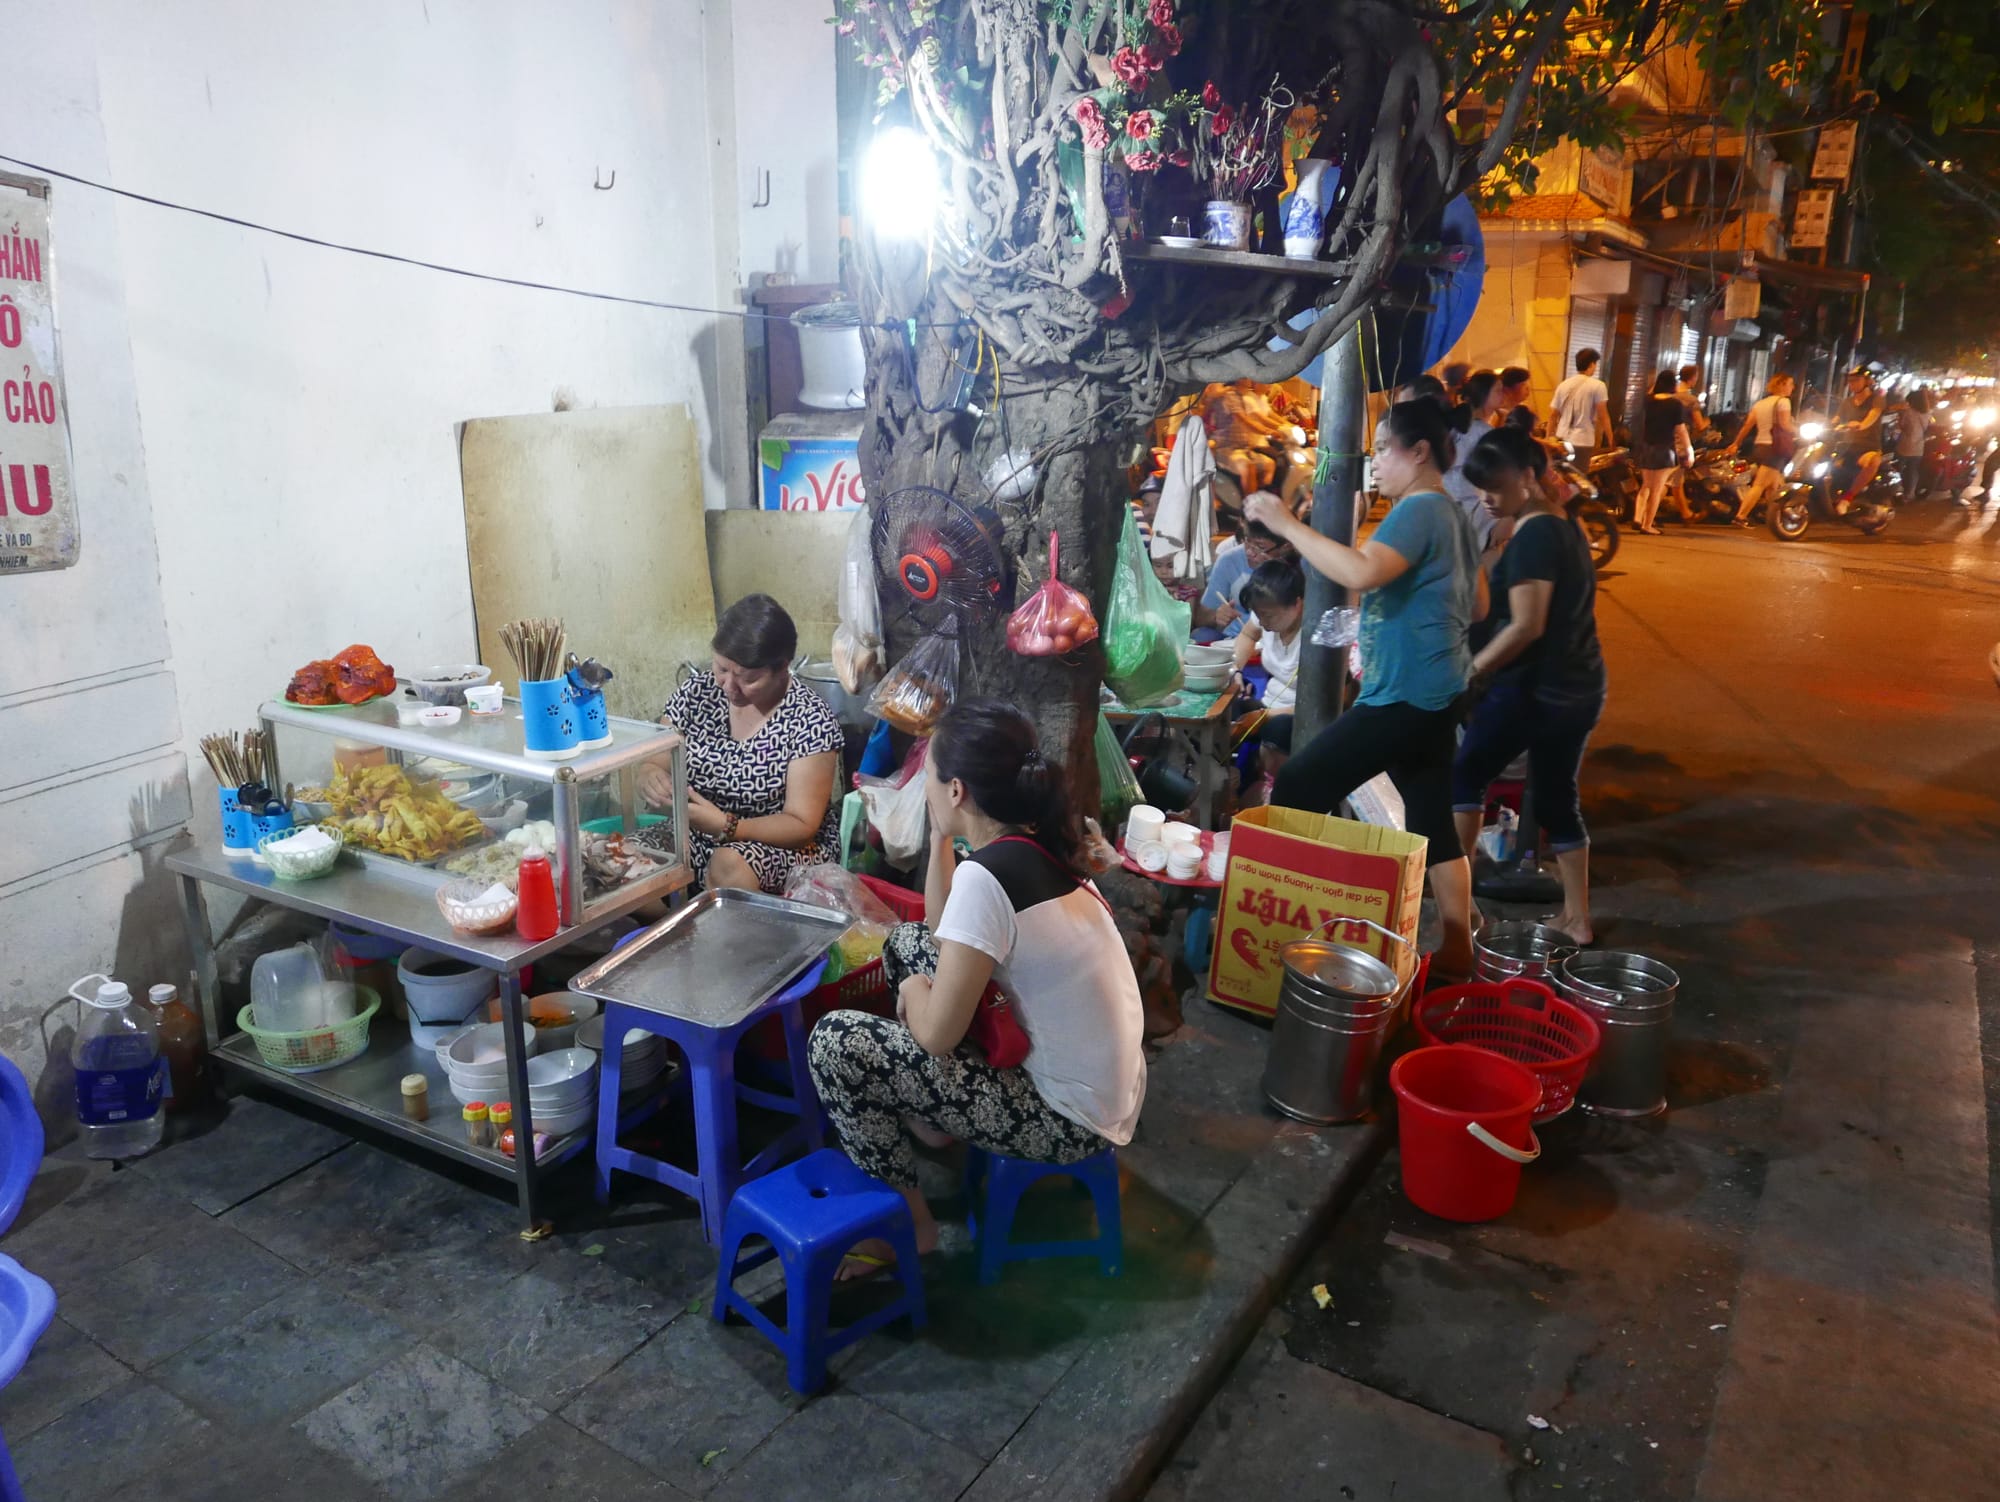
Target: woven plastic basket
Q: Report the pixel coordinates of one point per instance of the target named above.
(1522, 1020)
(322, 1048)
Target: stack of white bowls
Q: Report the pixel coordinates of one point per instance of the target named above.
(562, 1090)
(1208, 667)
(644, 1058)
(476, 1061)
(1143, 825)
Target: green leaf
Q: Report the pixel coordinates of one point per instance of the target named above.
(771, 454)
(595, 1249)
(713, 1456)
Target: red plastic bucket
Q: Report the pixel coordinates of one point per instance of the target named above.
(1465, 1124)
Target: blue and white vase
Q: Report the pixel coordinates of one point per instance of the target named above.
(1226, 225)
(1305, 210)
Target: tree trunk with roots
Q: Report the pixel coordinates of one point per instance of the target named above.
(1025, 272)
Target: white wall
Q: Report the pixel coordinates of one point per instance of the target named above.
(299, 404)
(91, 768)
(786, 126)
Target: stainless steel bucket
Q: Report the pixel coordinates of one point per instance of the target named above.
(1520, 951)
(1336, 1007)
(1631, 998)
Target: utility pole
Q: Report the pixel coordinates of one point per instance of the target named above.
(1342, 419)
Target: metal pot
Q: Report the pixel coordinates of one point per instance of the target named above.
(820, 676)
(1631, 999)
(1520, 951)
(1336, 1007)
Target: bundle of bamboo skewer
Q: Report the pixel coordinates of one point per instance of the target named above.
(537, 646)
(236, 759)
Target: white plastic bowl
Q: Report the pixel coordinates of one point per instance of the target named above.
(484, 1044)
(563, 1069)
(590, 1035)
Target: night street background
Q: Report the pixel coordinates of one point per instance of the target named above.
(1785, 1287)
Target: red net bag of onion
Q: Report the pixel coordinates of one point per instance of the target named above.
(1054, 620)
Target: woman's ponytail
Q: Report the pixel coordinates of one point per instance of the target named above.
(992, 748)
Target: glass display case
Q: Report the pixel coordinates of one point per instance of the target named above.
(429, 804)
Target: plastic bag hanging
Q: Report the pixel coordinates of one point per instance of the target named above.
(1144, 627)
(920, 688)
(1054, 621)
(857, 640)
(1338, 627)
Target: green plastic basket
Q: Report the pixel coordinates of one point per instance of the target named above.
(615, 824)
(323, 1047)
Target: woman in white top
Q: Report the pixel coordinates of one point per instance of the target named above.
(1770, 420)
(1275, 598)
(1017, 916)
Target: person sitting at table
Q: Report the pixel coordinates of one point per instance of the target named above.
(1275, 596)
(1019, 913)
(1219, 613)
(763, 751)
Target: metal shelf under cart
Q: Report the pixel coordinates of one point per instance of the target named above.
(367, 1089)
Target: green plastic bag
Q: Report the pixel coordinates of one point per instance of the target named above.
(1143, 629)
(1117, 786)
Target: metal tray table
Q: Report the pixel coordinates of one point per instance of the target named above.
(716, 960)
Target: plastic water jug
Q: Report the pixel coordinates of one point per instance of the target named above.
(120, 1073)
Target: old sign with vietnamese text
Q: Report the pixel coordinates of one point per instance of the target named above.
(37, 507)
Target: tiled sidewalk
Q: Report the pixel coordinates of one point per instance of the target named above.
(272, 1306)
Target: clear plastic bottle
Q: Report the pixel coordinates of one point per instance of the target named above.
(119, 1078)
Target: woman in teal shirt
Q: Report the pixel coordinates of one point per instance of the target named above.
(1422, 588)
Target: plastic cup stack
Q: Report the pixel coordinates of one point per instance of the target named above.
(1178, 833)
(1150, 854)
(1184, 861)
(1143, 826)
(1218, 860)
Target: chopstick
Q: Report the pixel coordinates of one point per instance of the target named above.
(235, 758)
(537, 646)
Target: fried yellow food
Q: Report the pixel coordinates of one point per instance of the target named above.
(382, 808)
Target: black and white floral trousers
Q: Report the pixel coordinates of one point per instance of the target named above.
(871, 1074)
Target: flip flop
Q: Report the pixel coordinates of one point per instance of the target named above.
(875, 1266)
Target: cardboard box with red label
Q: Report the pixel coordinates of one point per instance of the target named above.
(1292, 873)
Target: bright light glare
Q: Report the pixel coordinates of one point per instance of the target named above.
(1820, 470)
(1983, 418)
(1810, 431)
(899, 185)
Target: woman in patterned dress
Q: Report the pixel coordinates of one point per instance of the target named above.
(763, 751)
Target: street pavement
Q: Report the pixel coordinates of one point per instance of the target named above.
(1784, 1288)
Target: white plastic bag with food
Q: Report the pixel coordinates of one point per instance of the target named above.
(896, 809)
(857, 640)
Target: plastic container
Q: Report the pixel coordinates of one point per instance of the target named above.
(416, 1092)
(478, 1127)
(440, 990)
(120, 1073)
(285, 989)
(1522, 1020)
(1464, 1122)
(183, 1045)
(313, 1049)
(535, 918)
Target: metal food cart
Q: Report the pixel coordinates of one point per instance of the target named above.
(396, 899)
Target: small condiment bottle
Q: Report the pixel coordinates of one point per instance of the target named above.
(416, 1097)
(478, 1128)
(535, 911)
(501, 1114)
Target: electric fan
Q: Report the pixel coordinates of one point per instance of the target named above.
(939, 559)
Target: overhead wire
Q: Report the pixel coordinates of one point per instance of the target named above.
(419, 262)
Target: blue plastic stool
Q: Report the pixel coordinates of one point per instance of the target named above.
(997, 1183)
(27, 1304)
(710, 1053)
(813, 1212)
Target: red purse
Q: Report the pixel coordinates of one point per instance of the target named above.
(996, 1031)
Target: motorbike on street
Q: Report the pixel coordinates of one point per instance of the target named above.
(1815, 480)
(1588, 509)
(1615, 478)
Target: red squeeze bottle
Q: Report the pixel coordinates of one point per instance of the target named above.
(535, 914)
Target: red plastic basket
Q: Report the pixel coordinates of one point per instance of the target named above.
(863, 990)
(1522, 1020)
